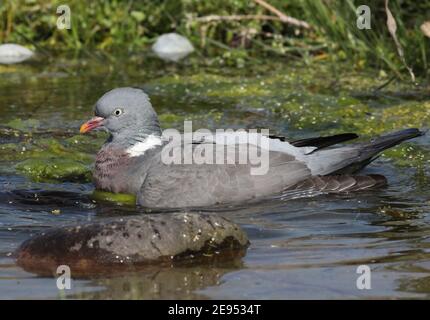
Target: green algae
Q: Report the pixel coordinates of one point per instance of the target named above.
(123, 199)
(170, 119)
(41, 149)
(23, 125)
(409, 155)
(54, 169)
(51, 159)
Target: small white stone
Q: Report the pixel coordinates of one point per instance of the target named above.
(172, 47)
(14, 53)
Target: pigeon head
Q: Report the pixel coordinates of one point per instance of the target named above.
(124, 112)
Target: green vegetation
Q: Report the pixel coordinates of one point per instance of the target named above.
(118, 198)
(47, 159)
(54, 169)
(133, 25)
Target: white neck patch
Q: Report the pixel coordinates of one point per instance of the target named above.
(139, 148)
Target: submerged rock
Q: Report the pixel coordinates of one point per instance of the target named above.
(125, 243)
(11, 53)
(172, 47)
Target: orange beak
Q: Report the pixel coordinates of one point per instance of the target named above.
(91, 124)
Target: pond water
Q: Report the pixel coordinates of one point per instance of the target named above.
(302, 248)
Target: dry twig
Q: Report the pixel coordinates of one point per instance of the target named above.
(279, 16)
(392, 28)
(214, 17)
(282, 16)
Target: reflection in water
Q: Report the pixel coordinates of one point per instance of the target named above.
(420, 285)
(160, 283)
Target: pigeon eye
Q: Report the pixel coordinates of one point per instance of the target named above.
(117, 112)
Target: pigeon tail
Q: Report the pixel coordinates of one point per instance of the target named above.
(370, 151)
(381, 143)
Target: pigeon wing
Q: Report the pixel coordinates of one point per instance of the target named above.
(200, 185)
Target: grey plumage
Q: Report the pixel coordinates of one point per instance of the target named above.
(215, 184)
(340, 183)
(131, 161)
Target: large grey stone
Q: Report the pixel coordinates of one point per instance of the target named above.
(119, 243)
